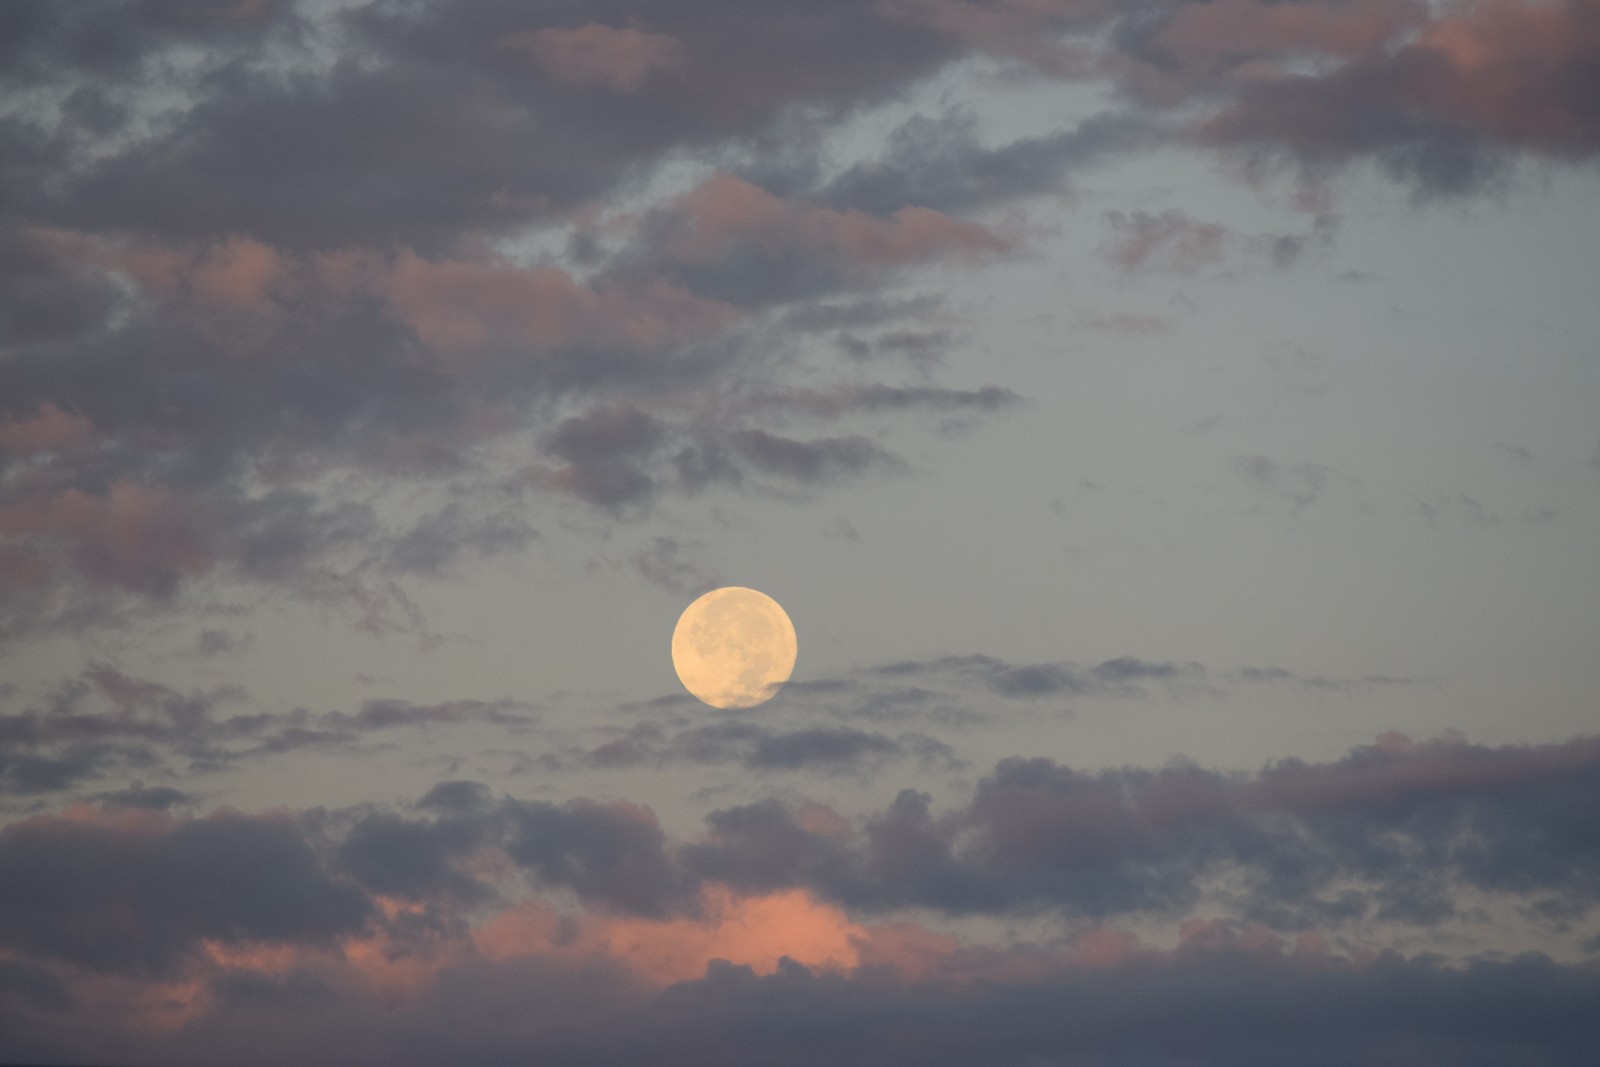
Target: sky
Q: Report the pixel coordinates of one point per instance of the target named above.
(1172, 427)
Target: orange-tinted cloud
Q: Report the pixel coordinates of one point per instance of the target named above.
(1023, 29)
(1445, 108)
(726, 212)
(450, 304)
(1517, 70)
(238, 272)
(754, 931)
(618, 58)
(133, 537)
(1235, 29)
(50, 429)
(460, 304)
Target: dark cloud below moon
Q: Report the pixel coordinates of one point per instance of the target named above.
(269, 913)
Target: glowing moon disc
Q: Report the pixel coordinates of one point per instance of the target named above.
(734, 647)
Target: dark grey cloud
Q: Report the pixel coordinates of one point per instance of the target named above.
(107, 724)
(1212, 1002)
(1034, 680)
(1398, 832)
(1216, 1007)
(667, 563)
(441, 538)
(412, 859)
(877, 397)
(809, 462)
(818, 316)
(829, 750)
(446, 98)
(98, 897)
(280, 275)
(1414, 825)
(941, 163)
(623, 460)
(456, 796)
(149, 797)
(42, 301)
(1395, 832)
(612, 855)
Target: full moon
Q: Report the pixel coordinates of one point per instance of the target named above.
(734, 647)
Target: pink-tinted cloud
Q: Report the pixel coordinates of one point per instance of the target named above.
(238, 272)
(450, 304)
(1521, 71)
(727, 212)
(1494, 76)
(755, 931)
(233, 273)
(458, 305)
(132, 537)
(618, 58)
(50, 429)
(1023, 29)
(1231, 30)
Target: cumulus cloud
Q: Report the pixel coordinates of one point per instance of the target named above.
(787, 913)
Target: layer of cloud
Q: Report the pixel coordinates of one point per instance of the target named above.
(247, 252)
(106, 725)
(131, 933)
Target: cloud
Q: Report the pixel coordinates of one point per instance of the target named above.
(941, 163)
(614, 855)
(830, 750)
(1446, 110)
(876, 397)
(230, 281)
(135, 896)
(1175, 243)
(200, 352)
(1281, 676)
(1372, 835)
(740, 974)
(513, 146)
(107, 722)
(1035, 680)
(663, 563)
(597, 54)
(379, 923)
(732, 240)
(808, 462)
(1300, 484)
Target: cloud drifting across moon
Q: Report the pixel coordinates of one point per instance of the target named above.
(734, 647)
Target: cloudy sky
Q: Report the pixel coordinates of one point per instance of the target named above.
(1173, 428)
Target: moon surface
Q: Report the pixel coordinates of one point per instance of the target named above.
(734, 647)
